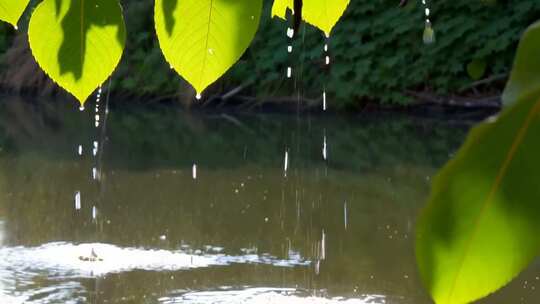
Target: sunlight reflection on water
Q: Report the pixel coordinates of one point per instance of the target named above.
(264, 296)
(68, 260)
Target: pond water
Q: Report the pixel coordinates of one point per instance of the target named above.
(241, 229)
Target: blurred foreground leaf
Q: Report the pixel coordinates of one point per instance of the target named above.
(525, 78)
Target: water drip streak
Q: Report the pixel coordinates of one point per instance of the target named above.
(327, 66)
(286, 163)
(290, 34)
(429, 32)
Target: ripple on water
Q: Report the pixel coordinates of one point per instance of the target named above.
(67, 260)
(263, 296)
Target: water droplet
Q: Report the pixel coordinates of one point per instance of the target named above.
(290, 32)
(94, 213)
(289, 72)
(327, 60)
(286, 163)
(163, 237)
(345, 218)
(289, 49)
(429, 33)
(198, 96)
(324, 100)
(80, 150)
(194, 171)
(94, 173)
(78, 200)
(324, 152)
(81, 108)
(323, 246)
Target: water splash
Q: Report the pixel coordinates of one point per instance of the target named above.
(66, 260)
(263, 295)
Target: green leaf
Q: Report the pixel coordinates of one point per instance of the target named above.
(202, 39)
(78, 43)
(476, 68)
(323, 14)
(525, 77)
(11, 10)
(480, 228)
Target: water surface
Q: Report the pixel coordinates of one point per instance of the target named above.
(244, 230)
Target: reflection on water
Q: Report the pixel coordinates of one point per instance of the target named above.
(65, 260)
(266, 296)
(196, 208)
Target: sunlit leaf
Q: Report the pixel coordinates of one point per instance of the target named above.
(11, 10)
(480, 228)
(78, 43)
(202, 39)
(525, 77)
(323, 14)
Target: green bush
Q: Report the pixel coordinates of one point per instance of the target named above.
(378, 53)
(376, 50)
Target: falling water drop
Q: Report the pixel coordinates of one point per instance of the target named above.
(327, 63)
(78, 200)
(290, 33)
(81, 108)
(324, 100)
(323, 246)
(286, 163)
(198, 96)
(324, 152)
(94, 173)
(429, 32)
(80, 150)
(94, 213)
(345, 218)
(194, 171)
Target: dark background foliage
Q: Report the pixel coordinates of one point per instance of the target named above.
(376, 50)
